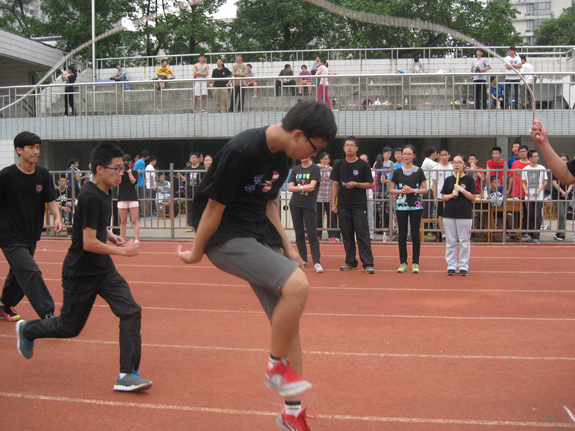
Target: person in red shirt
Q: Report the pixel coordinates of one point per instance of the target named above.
(496, 163)
(514, 186)
(476, 172)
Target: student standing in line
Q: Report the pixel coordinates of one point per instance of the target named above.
(408, 183)
(303, 183)
(25, 188)
(128, 200)
(458, 194)
(88, 271)
(350, 178)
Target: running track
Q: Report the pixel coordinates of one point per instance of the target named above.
(427, 352)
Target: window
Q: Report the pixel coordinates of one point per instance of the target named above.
(542, 8)
(530, 23)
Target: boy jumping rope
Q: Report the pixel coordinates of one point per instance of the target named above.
(88, 271)
(25, 188)
(241, 233)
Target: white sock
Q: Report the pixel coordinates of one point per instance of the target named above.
(122, 375)
(292, 410)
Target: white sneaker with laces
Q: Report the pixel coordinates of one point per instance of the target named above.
(318, 267)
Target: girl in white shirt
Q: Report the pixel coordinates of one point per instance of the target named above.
(323, 87)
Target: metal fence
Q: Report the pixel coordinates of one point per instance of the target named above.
(384, 92)
(164, 212)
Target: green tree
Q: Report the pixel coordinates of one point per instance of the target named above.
(187, 30)
(268, 25)
(71, 19)
(489, 23)
(557, 31)
(13, 16)
(294, 24)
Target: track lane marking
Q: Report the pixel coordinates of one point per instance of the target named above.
(481, 422)
(319, 352)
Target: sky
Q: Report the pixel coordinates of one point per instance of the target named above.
(228, 10)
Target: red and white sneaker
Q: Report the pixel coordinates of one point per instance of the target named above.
(9, 314)
(294, 423)
(283, 379)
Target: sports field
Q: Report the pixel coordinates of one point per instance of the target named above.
(425, 352)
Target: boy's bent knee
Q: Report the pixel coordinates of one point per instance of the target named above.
(296, 286)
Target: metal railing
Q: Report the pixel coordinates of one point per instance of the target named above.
(505, 217)
(384, 92)
(452, 52)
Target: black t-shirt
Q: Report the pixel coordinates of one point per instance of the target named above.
(93, 211)
(193, 179)
(415, 179)
(71, 80)
(244, 176)
(555, 193)
(461, 207)
(127, 190)
(346, 172)
(301, 176)
(217, 73)
(23, 200)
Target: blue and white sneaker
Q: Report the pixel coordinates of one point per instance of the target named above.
(132, 382)
(25, 347)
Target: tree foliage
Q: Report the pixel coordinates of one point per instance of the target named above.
(294, 24)
(188, 30)
(557, 31)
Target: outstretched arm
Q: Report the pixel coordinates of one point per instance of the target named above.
(557, 166)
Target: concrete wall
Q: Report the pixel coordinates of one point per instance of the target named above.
(20, 56)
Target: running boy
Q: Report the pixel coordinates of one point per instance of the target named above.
(241, 233)
(88, 271)
(25, 188)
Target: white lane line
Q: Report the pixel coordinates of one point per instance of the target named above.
(322, 353)
(356, 315)
(192, 284)
(569, 413)
(264, 413)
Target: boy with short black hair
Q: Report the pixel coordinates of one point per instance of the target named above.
(534, 178)
(496, 163)
(88, 271)
(241, 233)
(25, 188)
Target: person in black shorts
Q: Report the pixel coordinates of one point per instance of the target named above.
(241, 233)
(25, 189)
(89, 271)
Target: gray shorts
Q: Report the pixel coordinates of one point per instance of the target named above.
(266, 269)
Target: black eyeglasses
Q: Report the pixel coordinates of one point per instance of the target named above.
(119, 171)
(315, 150)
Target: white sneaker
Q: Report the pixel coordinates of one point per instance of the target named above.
(318, 267)
(255, 96)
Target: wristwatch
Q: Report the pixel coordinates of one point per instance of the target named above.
(301, 189)
(357, 185)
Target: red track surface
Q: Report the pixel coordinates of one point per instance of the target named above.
(492, 351)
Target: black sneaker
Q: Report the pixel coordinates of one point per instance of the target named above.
(347, 267)
(450, 272)
(463, 272)
(558, 238)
